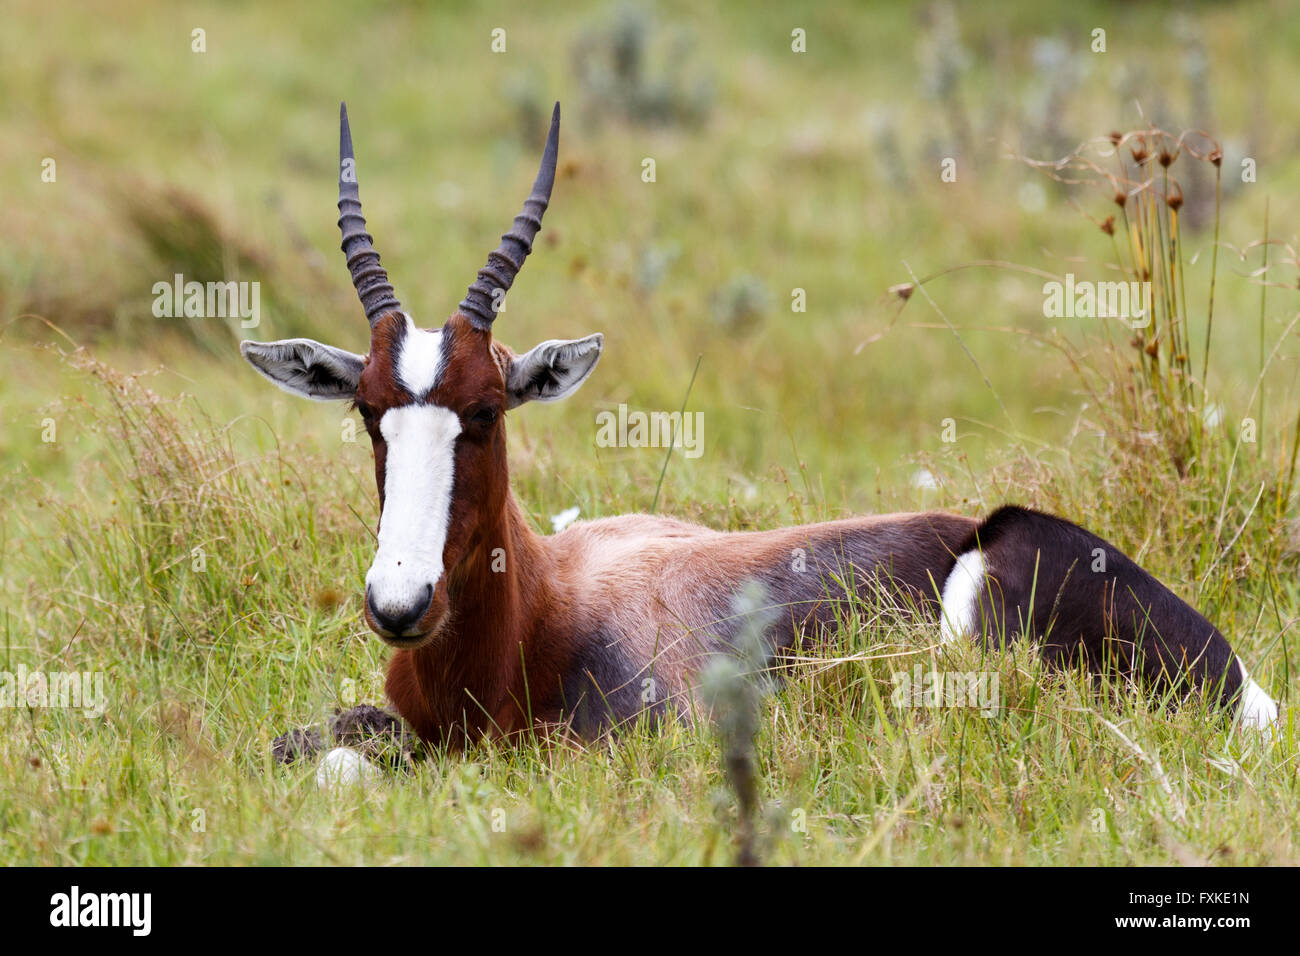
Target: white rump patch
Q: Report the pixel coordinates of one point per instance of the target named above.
(420, 361)
(961, 594)
(1258, 710)
(418, 473)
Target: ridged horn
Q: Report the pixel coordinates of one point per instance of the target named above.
(368, 276)
(494, 279)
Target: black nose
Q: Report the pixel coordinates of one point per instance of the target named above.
(396, 621)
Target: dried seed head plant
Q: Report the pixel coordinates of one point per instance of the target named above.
(1160, 394)
(1149, 392)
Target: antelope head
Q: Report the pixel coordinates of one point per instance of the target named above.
(433, 403)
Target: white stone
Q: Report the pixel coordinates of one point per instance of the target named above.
(344, 767)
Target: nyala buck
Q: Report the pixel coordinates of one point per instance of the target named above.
(498, 629)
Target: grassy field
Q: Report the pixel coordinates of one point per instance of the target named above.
(198, 539)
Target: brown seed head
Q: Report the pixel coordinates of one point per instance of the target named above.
(1115, 137)
(903, 291)
(327, 599)
(1216, 156)
(1108, 227)
(1175, 198)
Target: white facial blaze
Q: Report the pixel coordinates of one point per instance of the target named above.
(421, 360)
(418, 473)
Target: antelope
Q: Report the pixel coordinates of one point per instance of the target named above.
(499, 630)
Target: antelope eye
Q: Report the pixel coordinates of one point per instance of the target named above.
(484, 416)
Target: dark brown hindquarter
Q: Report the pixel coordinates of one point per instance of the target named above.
(892, 562)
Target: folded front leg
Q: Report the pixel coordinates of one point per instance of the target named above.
(374, 733)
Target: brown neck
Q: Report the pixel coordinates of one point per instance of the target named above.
(471, 676)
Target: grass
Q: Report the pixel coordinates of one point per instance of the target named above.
(198, 538)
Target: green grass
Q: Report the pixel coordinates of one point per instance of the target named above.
(818, 172)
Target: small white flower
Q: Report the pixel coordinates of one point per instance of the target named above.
(564, 518)
(1032, 198)
(924, 478)
(448, 194)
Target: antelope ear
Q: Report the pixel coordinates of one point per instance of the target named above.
(552, 371)
(306, 368)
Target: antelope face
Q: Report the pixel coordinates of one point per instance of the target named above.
(433, 403)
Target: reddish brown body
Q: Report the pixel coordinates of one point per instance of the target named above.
(584, 619)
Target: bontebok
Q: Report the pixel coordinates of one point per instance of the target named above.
(498, 629)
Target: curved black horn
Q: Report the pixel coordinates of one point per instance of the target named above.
(368, 276)
(494, 279)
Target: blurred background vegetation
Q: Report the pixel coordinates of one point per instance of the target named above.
(775, 170)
